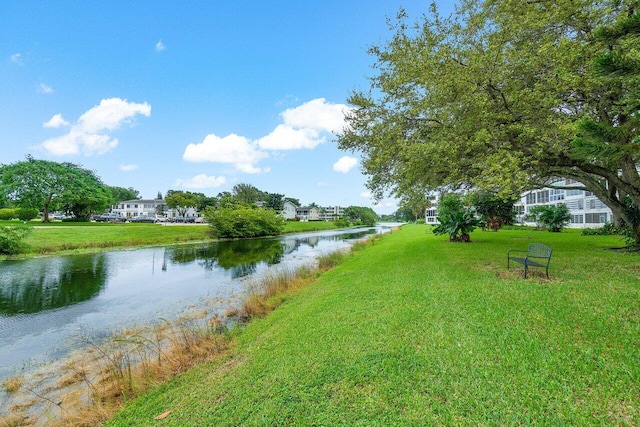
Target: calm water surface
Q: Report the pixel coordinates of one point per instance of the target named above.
(46, 304)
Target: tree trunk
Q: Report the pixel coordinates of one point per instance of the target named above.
(635, 234)
(45, 211)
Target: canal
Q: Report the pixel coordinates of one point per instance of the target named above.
(47, 304)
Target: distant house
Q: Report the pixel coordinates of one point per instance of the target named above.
(149, 208)
(331, 213)
(288, 210)
(140, 207)
(308, 213)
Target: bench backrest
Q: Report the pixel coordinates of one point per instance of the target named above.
(539, 250)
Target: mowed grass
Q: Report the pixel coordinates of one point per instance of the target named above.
(60, 237)
(414, 330)
(301, 227)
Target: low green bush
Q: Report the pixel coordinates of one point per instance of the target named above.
(7, 214)
(26, 214)
(607, 229)
(227, 223)
(341, 223)
(12, 239)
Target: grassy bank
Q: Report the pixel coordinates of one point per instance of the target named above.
(64, 237)
(415, 330)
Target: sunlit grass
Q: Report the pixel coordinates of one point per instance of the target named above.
(52, 239)
(300, 227)
(415, 330)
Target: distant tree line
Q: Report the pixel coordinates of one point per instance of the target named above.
(32, 186)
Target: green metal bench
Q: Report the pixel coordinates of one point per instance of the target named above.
(537, 255)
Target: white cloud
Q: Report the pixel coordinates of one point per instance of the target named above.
(128, 168)
(366, 194)
(317, 114)
(201, 181)
(90, 132)
(43, 88)
(16, 58)
(284, 137)
(233, 149)
(55, 122)
(305, 126)
(345, 164)
(160, 46)
(110, 114)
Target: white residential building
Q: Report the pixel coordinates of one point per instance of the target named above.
(140, 207)
(148, 208)
(586, 210)
(331, 213)
(288, 210)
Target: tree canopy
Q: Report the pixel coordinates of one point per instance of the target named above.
(181, 201)
(44, 184)
(361, 215)
(120, 194)
(506, 96)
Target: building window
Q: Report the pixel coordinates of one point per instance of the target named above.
(556, 195)
(577, 219)
(531, 198)
(595, 218)
(543, 196)
(574, 192)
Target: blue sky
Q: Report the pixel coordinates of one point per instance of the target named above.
(195, 96)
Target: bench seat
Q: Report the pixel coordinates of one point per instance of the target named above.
(537, 255)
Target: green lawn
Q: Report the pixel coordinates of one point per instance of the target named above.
(301, 227)
(64, 237)
(415, 330)
(57, 237)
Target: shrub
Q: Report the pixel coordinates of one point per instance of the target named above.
(455, 219)
(554, 218)
(494, 223)
(26, 214)
(341, 223)
(12, 239)
(7, 214)
(228, 223)
(607, 229)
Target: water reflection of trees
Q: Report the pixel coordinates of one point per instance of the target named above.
(38, 285)
(240, 257)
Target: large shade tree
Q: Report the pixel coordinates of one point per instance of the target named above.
(181, 201)
(507, 95)
(120, 194)
(44, 184)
